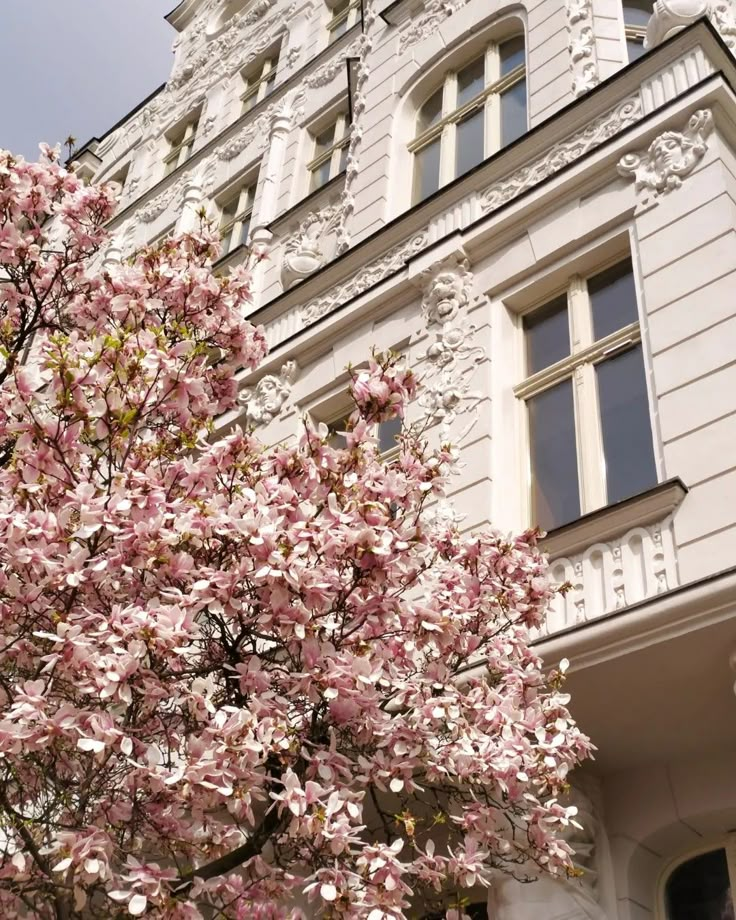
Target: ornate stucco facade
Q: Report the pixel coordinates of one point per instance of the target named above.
(302, 127)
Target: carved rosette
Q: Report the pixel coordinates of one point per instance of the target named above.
(670, 157)
(265, 401)
(445, 389)
(581, 44)
(561, 154)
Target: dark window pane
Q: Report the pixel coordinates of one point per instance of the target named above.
(699, 889)
(547, 334)
(627, 431)
(271, 81)
(512, 54)
(244, 230)
(427, 170)
(634, 49)
(324, 141)
(321, 175)
(431, 112)
(613, 299)
(637, 12)
(469, 142)
(470, 81)
(513, 113)
(387, 434)
(343, 158)
(336, 432)
(553, 457)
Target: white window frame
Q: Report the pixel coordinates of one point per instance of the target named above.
(632, 33)
(579, 365)
(181, 144)
(244, 196)
(348, 13)
(333, 155)
(489, 98)
(259, 80)
(727, 843)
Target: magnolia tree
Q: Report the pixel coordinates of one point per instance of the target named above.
(238, 681)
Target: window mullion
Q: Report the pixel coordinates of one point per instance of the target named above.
(591, 460)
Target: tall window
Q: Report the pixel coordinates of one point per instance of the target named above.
(235, 216)
(259, 80)
(589, 430)
(476, 111)
(181, 142)
(330, 153)
(700, 889)
(345, 13)
(636, 17)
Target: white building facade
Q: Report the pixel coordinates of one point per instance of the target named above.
(536, 204)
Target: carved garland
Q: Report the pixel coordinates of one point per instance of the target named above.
(446, 390)
(433, 12)
(603, 128)
(581, 44)
(369, 275)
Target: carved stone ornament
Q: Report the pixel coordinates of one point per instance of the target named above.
(723, 17)
(303, 254)
(258, 130)
(581, 44)
(445, 391)
(670, 157)
(365, 278)
(567, 151)
(446, 290)
(263, 402)
(670, 16)
(425, 24)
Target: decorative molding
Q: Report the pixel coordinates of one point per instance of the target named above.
(156, 206)
(363, 279)
(432, 13)
(561, 154)
(359, 102)
(723, 16)
(259, 129)
(445, 391)
(581, 44)
(610, 575)
(325, 74)
(671, 16)
(303, 254)
(670, 157)
(265, 401)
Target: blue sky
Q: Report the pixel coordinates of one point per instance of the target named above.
(77, 66)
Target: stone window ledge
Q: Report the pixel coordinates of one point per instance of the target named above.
(613, 520)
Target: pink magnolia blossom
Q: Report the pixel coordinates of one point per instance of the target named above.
(235, 679)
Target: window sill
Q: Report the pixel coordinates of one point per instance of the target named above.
(613, 520)
(330, 192)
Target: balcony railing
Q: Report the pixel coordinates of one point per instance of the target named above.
(614, 574)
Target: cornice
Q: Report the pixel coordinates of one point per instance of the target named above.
(580, 126)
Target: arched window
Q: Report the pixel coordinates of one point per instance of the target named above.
(636, 17)
(478, 109)
(700, 889)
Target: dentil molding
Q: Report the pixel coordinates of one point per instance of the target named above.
(670, 157)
